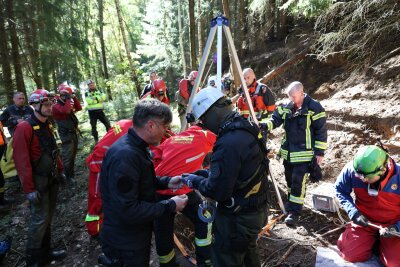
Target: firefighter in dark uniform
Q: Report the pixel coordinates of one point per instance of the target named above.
(64, 115)
(40, 170)
(237, 180)
(128, 188)
(302, 150)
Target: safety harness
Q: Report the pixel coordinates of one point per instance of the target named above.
(252, 193)
(46, 165)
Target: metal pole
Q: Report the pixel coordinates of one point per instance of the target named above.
(236, 64)
(219, 52)
(203, 62)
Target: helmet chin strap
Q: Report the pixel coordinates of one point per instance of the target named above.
(40, 111)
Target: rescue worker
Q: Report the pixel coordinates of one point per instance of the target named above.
(158, 91)
(94, 216)
(183, 153)
(237, 180)
(15, 113)
(185, 90)
(40, 170)
(374, 178)
(304, 120)
(152, 77)
(95, 105)
(261, 96)
(64, 115)
(128, 188)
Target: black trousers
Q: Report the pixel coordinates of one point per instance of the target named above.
(164, 231)
(296, 178)
(94, 116)
(128, 258)
(68, 154)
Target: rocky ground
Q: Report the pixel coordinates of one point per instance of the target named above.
(362, 109)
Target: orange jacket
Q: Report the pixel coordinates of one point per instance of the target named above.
(257, 101)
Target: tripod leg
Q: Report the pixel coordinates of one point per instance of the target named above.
(239, 70)
(277, 192)
(203, 62)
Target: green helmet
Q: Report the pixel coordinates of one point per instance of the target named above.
(369, 161)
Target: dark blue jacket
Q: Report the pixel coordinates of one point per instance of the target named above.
(236, 157)
(305, 130)
(12, 114)
(128, 184)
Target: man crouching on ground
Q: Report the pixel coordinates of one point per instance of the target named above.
(128, 185)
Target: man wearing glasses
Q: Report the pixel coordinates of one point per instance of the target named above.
(15, 113)
(128, 187)
(374, 178)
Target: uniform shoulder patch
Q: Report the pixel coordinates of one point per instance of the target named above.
(394, 187)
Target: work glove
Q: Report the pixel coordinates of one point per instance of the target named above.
(192, 180)
(315, 171)
(33, 197)
(203, 173)
(360, 219)
(388, 231)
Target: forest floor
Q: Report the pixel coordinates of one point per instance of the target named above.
(360, 110)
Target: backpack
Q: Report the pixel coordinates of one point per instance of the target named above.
(7, 162)
(268, 96)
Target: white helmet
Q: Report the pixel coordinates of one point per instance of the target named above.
(212, 80)
(203, 100)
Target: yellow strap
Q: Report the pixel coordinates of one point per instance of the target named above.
(167, 258)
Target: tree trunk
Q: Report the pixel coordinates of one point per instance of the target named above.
(128, 54)
(242, 26)
(192, 28)
(31, 43)
(271, 19)
(4, 57)
(199, 29)
(282, 20)
(284, 66)
(103, 46)
(19, 78)
(183, 57)
(43, 57)
(225, 5)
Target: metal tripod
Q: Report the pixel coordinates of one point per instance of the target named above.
(218, 25)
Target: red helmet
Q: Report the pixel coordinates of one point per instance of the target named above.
(158, 87)
(39, 96)
(193, 75)
(65, 89)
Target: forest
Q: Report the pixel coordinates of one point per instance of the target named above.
(345, 52)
